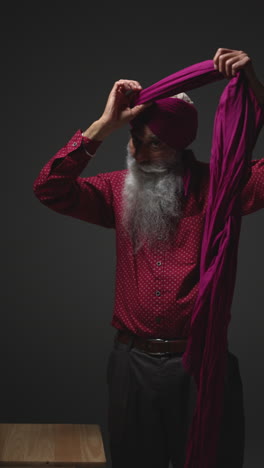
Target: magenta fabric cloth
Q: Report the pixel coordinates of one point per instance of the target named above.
(172, 120)
(238, 121)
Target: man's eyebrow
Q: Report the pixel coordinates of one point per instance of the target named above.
(150, 138)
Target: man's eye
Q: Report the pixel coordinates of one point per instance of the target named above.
(155, 144)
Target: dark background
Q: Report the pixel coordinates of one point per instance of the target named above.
(59, 62)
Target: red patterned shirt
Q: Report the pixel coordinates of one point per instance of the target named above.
(155, 289)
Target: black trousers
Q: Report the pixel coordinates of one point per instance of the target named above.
(150, 407)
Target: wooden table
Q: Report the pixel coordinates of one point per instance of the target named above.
(69, 445)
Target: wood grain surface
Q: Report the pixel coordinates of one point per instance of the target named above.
(51, 443)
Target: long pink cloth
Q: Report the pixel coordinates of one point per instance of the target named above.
(238, 121)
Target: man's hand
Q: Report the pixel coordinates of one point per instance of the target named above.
(117, 111)
(229, 62)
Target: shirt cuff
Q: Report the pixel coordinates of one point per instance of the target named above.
(90, 146)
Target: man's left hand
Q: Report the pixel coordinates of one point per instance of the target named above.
(229, 62)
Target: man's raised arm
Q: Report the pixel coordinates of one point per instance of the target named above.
(59, 185)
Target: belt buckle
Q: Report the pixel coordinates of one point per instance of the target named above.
(158, 354)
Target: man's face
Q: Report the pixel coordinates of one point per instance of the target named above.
(146, 148)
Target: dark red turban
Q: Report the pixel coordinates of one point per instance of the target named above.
(174, 121)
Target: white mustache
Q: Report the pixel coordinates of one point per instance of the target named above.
(152, 167)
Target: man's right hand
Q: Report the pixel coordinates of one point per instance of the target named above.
(117, 111)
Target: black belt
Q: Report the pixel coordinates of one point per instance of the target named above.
(152, 345)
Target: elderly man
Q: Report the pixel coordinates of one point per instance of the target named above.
(157, 206)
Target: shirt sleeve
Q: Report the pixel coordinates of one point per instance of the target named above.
(253, 192)
(60, 187)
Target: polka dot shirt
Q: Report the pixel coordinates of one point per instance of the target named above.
(155, 289)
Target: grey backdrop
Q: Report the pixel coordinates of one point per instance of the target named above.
(59, 62)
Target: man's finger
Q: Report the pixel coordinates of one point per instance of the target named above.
(229, 66)
(222, 59)
(221, 51)
(139, 108)
(240, 64)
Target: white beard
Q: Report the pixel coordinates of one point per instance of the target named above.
(151, 201)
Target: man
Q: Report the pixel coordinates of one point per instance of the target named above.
(157, 207)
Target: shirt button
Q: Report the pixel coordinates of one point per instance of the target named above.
(158, 293)
(158, 319)
(74, 144)
(158, 263)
